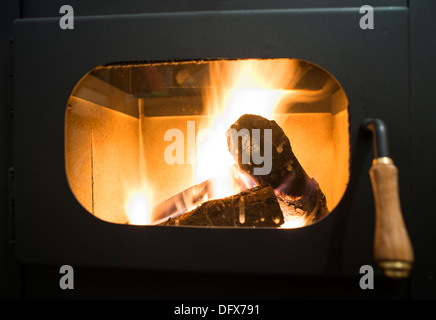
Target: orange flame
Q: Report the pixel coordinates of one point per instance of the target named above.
(138, 208)
(235, 88)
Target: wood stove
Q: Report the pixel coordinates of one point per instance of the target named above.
(91, 107)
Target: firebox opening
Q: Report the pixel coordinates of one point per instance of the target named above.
(149, 143)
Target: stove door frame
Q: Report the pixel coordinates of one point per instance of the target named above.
(51, 227)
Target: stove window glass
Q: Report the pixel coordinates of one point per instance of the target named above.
(231, 143)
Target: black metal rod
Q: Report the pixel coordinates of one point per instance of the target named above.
(379, 136)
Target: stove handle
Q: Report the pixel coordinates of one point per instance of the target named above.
(393, 250)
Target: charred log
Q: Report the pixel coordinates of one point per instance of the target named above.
(256, 207)
(296, 191)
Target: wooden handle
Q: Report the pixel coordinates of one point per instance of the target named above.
(392, 247)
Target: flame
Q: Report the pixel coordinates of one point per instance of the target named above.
(138, 208)
(236, 88)
(292, 222)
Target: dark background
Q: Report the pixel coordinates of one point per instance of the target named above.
(18, 281)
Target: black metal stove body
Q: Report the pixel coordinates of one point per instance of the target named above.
(51, 228)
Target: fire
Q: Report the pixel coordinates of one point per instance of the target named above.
(138, 208)
(115, 145)
(236, 88)
(292, 222)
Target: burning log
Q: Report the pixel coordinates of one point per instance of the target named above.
(181, 202)
(256, 207)
(298, 194)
